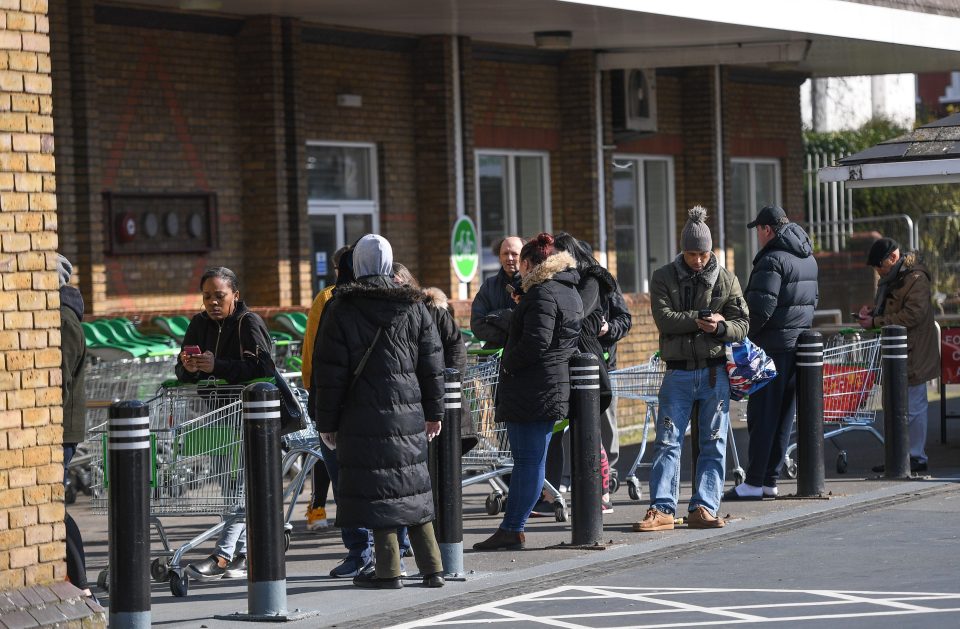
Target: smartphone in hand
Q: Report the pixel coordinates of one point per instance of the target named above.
(705, 313)
(192, 350)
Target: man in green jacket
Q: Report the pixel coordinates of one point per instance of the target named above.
(698, 307)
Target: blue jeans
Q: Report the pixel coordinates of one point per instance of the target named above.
(233, 538)
(358, 542)
(528, 444)
(680, 389)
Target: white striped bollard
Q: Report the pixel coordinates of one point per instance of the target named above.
(128, 472)
(587, 517)
(896, 438)
(449, 489)
(810, 477)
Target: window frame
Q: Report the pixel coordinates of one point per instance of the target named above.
(511, 226)
(753, 246)
(333, 207)
(642, 268)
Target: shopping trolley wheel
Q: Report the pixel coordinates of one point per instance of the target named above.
(69, 495)
(286, 540)
(791, 468)
(614, 484)
(842, 462)
(159, 570)
(179, 584)
(103, 580)
(494, 504)
(559, 512)
(739, 476)
(633, 488)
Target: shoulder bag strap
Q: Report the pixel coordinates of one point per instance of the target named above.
(363, 363)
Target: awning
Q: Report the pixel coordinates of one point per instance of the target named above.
(927, 155)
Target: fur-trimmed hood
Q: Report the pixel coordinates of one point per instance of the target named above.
(556, 265)
(384, 301)
(433, 297)
(607, 283)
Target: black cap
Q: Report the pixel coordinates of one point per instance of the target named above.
(769, 215)
(880, 250)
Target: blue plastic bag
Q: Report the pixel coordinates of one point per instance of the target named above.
(748, 367)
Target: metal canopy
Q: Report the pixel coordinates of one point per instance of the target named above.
(928, 154)
(816, 37)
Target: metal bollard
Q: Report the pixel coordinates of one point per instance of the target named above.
(128, 462)
(584, 414)
(267, 572)
(809, 365)
(896, 439)
(449, 490)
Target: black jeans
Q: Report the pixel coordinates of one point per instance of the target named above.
(770, 413)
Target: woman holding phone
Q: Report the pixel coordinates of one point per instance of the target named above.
(221, 342)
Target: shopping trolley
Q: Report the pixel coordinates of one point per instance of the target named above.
(851, 378)
(491, 459)
(197, 467)
(642, 382)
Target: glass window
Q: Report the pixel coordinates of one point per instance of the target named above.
(644, 221)
(754, 184)
(342, 200)
(513, 197)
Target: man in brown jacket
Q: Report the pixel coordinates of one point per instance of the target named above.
(903, 298)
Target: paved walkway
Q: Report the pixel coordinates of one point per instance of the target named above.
(495, 576)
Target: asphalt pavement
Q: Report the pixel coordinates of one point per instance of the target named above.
(866, 534)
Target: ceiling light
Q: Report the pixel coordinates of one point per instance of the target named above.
(200, 5)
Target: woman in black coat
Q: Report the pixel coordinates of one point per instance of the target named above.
(228, 335)
(534, 388)
(379, 382)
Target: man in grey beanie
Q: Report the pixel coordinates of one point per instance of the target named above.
(698, 307)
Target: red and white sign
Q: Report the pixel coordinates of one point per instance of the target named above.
(950, 355)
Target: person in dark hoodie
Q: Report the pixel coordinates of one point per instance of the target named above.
(228, 335)
(379, 393)
(903, 298)
(781, 294)
(73, 367)
(534, 388)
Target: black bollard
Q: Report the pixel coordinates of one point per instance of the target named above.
(810, 415)
(128, 463)
(266, 567)
(896, 438)
(585, 449)
(449, 489)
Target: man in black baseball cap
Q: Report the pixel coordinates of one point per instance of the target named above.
(772, 215)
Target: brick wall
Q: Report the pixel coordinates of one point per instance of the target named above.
(31, 472)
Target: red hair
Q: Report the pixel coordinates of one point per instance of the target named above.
(538, 249)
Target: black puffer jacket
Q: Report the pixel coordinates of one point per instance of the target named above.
(454, 355)
(381, 437)
(491, 311)
(534, 371)
(782, 291)
(225, 341)
(595, 288)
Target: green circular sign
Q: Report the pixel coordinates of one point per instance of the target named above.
(464, 249)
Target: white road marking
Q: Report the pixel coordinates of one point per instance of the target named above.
(496, 612)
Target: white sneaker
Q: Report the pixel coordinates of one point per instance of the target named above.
(771, 492)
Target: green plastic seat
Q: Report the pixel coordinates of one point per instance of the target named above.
(172, 326)
(112, 337)
(126, 332)
(135, 334)
(104, 348)
(281, 339)
(295, 322)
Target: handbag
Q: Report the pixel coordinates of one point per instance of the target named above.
(748, 367)
(292, 416)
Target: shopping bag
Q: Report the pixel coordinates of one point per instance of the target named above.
(292, 417)
(748, 368)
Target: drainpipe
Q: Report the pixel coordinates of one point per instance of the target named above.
(463, 287)
(601, 164)
(721, 214)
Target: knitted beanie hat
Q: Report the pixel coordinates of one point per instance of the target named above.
(696, 234)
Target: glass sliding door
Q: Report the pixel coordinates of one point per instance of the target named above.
(755, 183)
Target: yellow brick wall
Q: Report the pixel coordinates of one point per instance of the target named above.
(31, 490)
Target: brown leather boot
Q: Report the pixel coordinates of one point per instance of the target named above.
(502, 540)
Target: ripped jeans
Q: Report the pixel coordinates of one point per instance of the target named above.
(680, 389)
